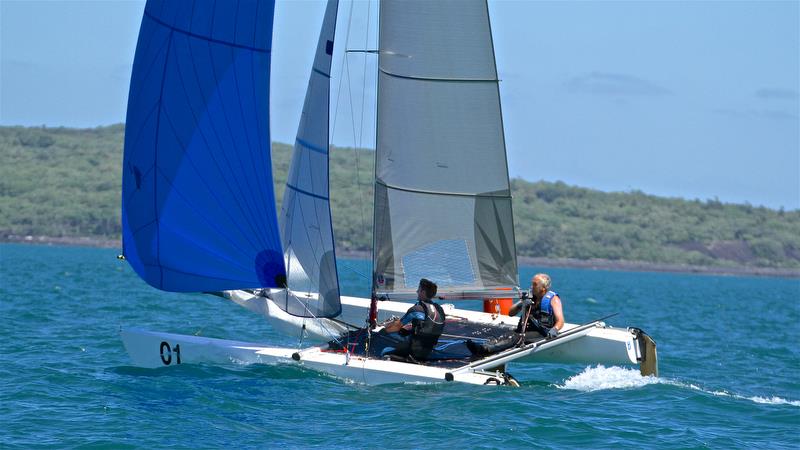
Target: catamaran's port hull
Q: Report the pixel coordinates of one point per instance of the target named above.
(602, 345)
(152, 349)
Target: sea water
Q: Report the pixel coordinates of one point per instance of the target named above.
(728, 359)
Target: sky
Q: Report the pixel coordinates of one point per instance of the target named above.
(698, 100)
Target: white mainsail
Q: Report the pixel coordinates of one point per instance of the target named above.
(442, 194)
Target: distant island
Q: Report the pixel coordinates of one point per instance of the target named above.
(62, 185)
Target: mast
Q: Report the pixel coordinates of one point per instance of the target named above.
(372, 318)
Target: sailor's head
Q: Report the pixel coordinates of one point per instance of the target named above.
(540, 284)
(426, 289)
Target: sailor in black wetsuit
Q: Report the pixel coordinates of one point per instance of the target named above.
(418, 331)
(542, 315)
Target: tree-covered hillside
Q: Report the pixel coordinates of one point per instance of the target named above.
(60, 181)
(66, 182)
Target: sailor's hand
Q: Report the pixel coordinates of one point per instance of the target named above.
(390, 320)
(525, 302)
(552, 333)
(392, 326)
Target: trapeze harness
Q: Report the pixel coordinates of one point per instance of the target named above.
(425, 333)
(543, 313)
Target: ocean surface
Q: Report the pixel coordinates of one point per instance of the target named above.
(728, 357)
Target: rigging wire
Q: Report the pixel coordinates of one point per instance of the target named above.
(344, 72)
(319, 320)
(302, 331)
(361, 127)
(357, 143)
(364, 78)
(354, 270)
(341, 71)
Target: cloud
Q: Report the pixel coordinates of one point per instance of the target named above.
(777, 94)
(599, 83)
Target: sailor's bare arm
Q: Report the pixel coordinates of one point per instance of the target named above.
(558, 312)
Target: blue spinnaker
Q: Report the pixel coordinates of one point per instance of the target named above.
(198, 207)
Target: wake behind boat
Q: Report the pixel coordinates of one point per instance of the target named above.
(198, 111)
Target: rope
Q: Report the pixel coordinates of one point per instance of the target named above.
(120, 257)
(521, 340)
(355, 327)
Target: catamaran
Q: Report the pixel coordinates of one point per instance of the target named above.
(198, 210)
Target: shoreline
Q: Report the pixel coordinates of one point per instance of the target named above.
(567, 263)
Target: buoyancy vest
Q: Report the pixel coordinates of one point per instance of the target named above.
(543, 313)
(545, 310)
(425, 333)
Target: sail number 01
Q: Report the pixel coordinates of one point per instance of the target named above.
(166, 353)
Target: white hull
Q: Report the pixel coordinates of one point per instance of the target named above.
(151, 349)
(602, 345)
(590, 344)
